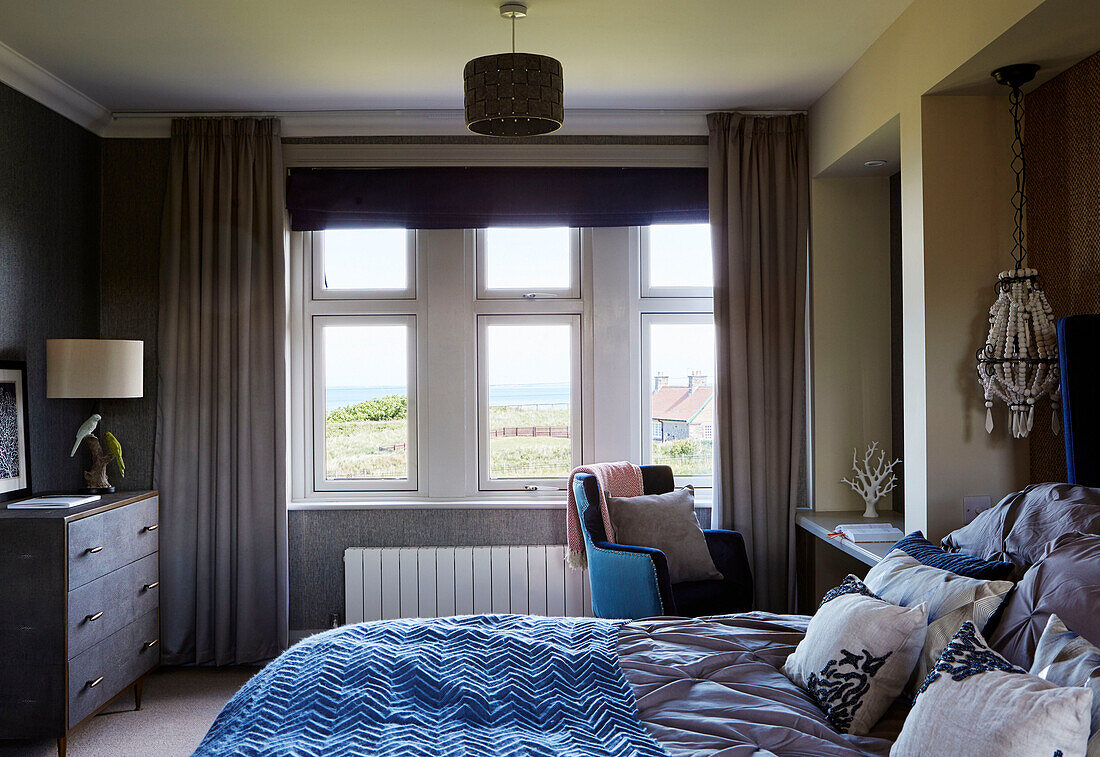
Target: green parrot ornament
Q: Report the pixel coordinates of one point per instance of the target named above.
(115, 449)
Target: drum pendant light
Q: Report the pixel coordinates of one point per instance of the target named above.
(513, 94)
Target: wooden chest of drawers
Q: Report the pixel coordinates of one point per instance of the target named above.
(79, 611)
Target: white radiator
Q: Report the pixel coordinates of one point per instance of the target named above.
(426, 582)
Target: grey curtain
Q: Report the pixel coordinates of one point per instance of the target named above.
(220, 462)
(759, 215)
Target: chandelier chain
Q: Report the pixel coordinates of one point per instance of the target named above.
(1019, 168)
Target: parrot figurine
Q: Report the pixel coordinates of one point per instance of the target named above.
(115, 449)
(86, 428)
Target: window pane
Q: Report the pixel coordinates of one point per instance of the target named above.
(532, 259)
(366, 402)
(679, 255)
(681, 385)
(366, 259)
(528, 372)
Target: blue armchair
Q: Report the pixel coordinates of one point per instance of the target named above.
(633, 582)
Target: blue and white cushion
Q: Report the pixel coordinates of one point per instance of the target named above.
(927, 553)
(1066, 659)
(857, 655)
(976, 703)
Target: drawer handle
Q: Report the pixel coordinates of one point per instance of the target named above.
(153, 585)
(150, 644)
(92, 618)
(93, 684)
(153, 527)
(93, 550)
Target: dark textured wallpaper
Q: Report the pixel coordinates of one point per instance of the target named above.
(49, 269)
(1062, 147)
(134, 176)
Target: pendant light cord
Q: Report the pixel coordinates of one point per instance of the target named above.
(1019, 166)
(513, 34)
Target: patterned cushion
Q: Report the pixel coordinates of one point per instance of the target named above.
(927, 553)
(952, 600)
(1066, 659)
(976, 703)
(857, 655)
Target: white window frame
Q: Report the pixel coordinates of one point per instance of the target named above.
(321, 292)
(320, 482)
(648, 290)
(485, 482)
(571, 292)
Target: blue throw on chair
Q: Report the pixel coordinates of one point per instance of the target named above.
(633, 582)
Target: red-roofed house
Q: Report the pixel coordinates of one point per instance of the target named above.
(682, 412)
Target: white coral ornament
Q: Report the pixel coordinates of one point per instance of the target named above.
(1019, 362)
(873, 479)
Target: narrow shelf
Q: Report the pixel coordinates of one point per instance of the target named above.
(821, 524)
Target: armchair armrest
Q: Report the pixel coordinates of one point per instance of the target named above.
(727, 549)
(628, 582)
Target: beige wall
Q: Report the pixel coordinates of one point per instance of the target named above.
(950, 234)
(851, 330)
(966, 147)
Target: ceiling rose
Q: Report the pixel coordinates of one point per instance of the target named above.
(513, 94)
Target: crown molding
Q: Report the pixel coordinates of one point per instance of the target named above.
(26, 76)
(425, 122)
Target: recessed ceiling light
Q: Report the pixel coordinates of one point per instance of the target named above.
(874, 163)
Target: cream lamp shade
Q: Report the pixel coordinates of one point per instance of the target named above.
(94, 368)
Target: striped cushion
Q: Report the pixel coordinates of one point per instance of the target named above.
(927, 553)
(952, 600)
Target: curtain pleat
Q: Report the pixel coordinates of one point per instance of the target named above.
(220, 462)
(759, 215)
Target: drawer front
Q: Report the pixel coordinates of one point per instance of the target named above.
(101, 543)
(100, 607)
(102, 671)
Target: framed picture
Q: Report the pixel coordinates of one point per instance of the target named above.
(15, 467)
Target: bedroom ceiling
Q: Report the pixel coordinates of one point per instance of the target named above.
(289, 55)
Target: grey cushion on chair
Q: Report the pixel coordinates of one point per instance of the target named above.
(666, 522)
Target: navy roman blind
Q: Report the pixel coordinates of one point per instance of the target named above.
(482, 196)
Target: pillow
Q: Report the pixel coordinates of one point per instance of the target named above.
(1065, 659)
(927, 553)
(952, 600)
(976, 703)
(857, 655)
(1065, 582)
(1020, 526)
(666, 522)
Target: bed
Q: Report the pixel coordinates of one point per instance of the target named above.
(521, 685)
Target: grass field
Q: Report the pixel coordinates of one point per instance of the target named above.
(354, 449)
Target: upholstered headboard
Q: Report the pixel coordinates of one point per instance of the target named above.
(1079, 355)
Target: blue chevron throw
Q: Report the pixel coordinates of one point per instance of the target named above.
(476, 686)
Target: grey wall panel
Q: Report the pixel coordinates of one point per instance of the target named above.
(134, 177)
(49, 268)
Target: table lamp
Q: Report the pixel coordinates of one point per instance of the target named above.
(95, 369)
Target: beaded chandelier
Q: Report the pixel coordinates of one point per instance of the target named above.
(513, 94)
(1019, 362)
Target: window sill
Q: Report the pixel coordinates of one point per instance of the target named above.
(702, 500)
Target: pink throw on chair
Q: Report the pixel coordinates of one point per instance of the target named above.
(620, 479)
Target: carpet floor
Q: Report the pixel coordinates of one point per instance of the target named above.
(178, 705)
